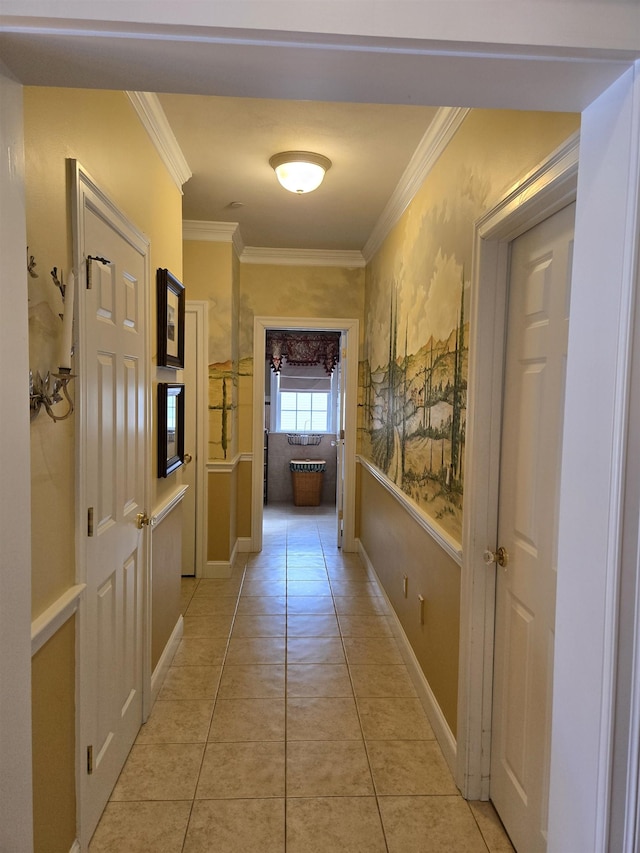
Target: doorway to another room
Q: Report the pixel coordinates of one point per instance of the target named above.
(304, 424)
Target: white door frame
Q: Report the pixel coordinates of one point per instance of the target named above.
(548, 189)
(201, 308)
(83, 183)
(351, 328)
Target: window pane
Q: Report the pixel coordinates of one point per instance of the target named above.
(304, 400)
(320, 402)
(319, 422)
(288, 400)
(288, 421)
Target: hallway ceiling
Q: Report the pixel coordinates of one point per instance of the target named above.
(227, 143)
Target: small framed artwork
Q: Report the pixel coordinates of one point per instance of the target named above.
(171, 304)
(170, 428)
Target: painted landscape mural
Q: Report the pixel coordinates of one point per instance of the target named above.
(413, 377)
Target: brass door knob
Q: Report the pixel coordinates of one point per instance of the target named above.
(188, 458)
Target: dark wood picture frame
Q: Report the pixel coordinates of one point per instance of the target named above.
(171, 308)
(170, 428)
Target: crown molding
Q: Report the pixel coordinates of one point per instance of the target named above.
(439, 134)
(302, 257)
(213, 232)
(152, 116)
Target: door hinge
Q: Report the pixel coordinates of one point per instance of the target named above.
(341, 435)
(340, 515)
(88, 263)
(89, 760)
(90, 521)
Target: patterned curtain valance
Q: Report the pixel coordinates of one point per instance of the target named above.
(303, 349)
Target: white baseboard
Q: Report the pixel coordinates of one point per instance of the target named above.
(217, 569)
(166, 657)
(245, 545)
(443, 733)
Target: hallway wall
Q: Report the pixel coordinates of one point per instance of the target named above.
(102, 131)
(413, 375)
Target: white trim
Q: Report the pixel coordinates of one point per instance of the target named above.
(200, 311)
(546, 190)
(439, 724)
(245, 544)
(444, 539)
(75, 847)
(213, 232)
(438, 135)
(350, 328)
(221, 466)
(163, 509)
(160, 672)
(303, 257)
(147, 106)
(54, 617)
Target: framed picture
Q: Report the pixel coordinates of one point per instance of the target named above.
(171, 303)
(170, 428)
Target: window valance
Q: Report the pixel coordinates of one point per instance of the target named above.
(303, 349)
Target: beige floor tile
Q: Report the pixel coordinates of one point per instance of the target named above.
(242, 770)
(386, 681)
(364, 625)
(216, 626)
(141, 827)
(322, 604)
(211, 606)
(266, 560)
(159, 772)
(236, 826)
(322, 719)
(308, 588)
(177, 722)
(315, 650)
(318, 679)
(259, 625)
(430, 825)
(252, 681)
(408, 767)
(265, 573)
(216, 588)
(372, 650)
(491, 827)
(307, 573)
(190, 682)
(248, 720)
(394, 719)
(247, 650)
(357, 589)
(312, 625)
(200, 651)
(332, 824)
(263, 587)
(343, 560)
(328, 769)
(262, 604)
(359, 604)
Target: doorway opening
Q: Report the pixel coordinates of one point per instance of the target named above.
(300, 419)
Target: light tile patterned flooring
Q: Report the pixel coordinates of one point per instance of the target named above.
(288, 721)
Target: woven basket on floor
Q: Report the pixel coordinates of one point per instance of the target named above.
(306, 478)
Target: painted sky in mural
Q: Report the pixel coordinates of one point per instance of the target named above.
(414, 374)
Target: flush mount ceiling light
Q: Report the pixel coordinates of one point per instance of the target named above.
(300, 171)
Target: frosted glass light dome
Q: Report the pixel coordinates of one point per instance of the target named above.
(300, 171)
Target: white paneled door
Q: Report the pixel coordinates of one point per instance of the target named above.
(538, 318)
(113, 470)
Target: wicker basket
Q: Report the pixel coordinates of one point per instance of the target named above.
(306, 477)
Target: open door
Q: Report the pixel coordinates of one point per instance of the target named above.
(340, 410)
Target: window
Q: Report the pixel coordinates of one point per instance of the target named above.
(302, 403)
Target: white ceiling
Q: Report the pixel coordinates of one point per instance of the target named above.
(364, 102)
(227, 143)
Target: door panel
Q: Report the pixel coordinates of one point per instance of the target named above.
(113, 483)
(529, 488)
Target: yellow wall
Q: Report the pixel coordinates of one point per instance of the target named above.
(101, 131)
(53, 697)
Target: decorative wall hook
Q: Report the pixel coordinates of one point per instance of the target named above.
(53, 388)
(49, 391)
(31, 265)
